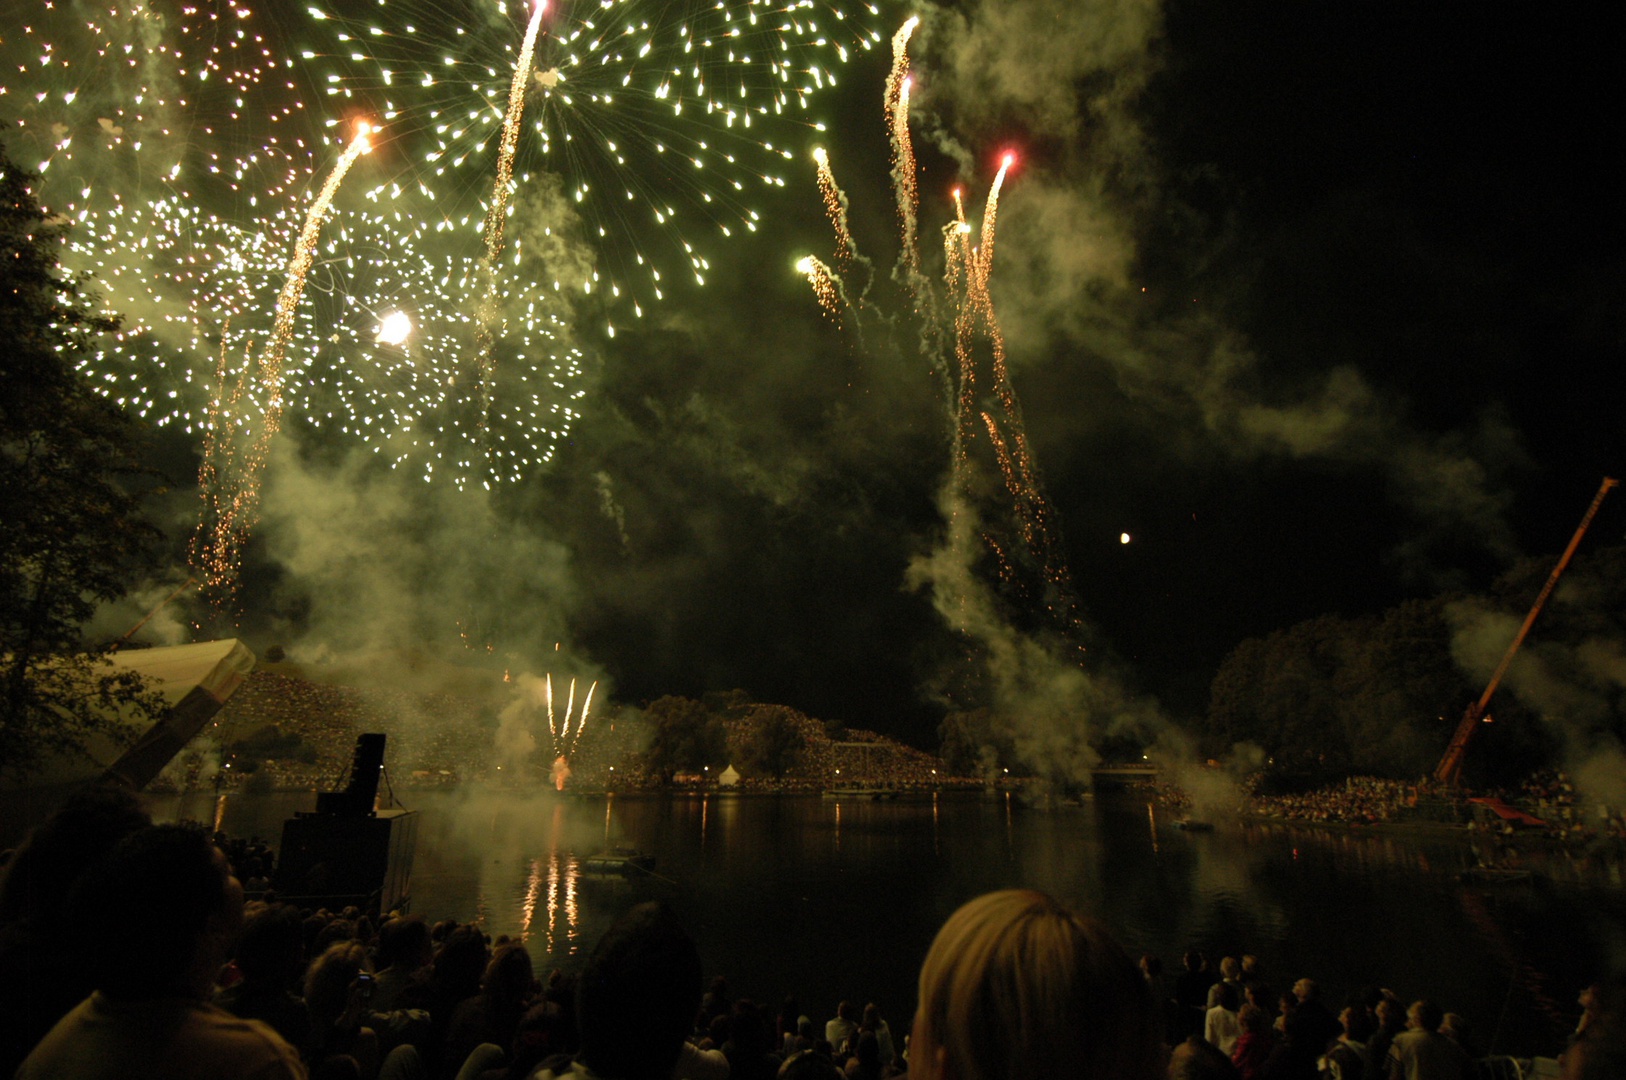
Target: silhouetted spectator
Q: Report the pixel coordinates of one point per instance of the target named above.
(41, 974)
(158, 915)
(269, 958)
(638, 996)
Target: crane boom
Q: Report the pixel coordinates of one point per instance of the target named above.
(1450, 765)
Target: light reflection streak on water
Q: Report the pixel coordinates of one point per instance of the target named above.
(705, 801)
(1151, 820)
(838, 824)
(609, 804)
(936, 850)
(220, 811)
(532, 885)
(572, 876)
(1010, 832)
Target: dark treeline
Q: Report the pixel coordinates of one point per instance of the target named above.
(1381, 694)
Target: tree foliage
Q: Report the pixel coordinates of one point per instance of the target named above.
(774, 744)
(71, 535)
(687, 737)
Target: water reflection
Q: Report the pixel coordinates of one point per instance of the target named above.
(834, 899)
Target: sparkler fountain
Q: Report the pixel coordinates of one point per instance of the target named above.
(564, 740)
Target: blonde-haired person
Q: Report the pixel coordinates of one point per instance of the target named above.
(1018, 986)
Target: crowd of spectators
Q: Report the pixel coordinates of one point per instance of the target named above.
(124, 945)
(1360, 800)
(127, 949)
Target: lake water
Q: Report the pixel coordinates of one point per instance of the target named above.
(833, 899)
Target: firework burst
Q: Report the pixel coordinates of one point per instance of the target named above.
(665, 121)
(978, 355)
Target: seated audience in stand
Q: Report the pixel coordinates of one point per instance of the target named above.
(638, 997)
(1220, 1026)
(271, 961)
(158, 915)
(41, 974)
(1421, 1052)
(1015, 985)
(1254, 1043)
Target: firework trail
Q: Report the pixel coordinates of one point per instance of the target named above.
(553, 729)
(978, 340)
(232, 487)
(497, 213)
(903, 151)
(825, 284)
(835, 207)
(294, 287)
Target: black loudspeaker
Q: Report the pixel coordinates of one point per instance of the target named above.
(347, 852)
(335, 860)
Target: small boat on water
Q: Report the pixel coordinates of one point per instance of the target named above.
(1188, 825)
(1498, 875)
(618, 862)
(862, 794)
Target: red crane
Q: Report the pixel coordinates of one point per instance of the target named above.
(1450, 766)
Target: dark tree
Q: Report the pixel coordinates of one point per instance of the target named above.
(1380, 695)
(71, 533)
(687, 737)
(775, 743)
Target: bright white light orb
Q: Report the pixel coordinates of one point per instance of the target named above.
(1123, 538)
(395, 328)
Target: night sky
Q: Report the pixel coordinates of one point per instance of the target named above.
(1321, 304)
(1375, 355)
